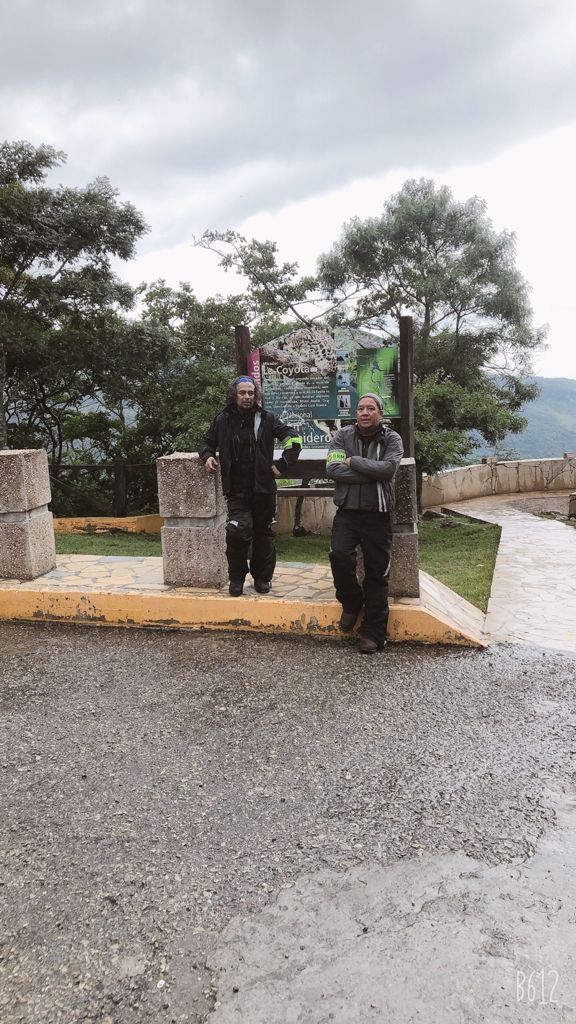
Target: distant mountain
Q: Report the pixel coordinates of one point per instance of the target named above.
(551, 429)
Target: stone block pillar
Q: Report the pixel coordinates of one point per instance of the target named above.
(27, 548)
(404, 579)
(194, 531)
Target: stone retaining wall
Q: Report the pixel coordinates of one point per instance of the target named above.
(517, 477)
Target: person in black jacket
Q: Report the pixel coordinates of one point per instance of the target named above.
(243, 436)
(362, 460)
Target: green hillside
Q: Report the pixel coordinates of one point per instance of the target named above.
(551, 429)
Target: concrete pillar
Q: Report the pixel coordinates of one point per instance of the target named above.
(27, 548)
(572, 506)
(404, 578)
(194, 531)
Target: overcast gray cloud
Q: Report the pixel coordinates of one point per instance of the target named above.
(211, 110)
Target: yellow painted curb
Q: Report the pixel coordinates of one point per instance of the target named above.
(418, 623)
(102, 524)
(408, 622)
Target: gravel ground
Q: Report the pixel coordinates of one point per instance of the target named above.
(556, 503)
(156, 784)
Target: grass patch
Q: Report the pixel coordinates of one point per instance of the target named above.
(461, 556)
(302, 549)
(289, 549)
(134, 544)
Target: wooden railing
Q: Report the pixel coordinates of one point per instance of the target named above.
(121, 474)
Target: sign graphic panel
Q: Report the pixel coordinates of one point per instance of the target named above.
(310, 378)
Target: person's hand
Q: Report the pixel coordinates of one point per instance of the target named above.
(275, 471)
(211, 464)
(346, 462)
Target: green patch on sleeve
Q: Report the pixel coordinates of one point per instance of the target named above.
(335, 456)
(291, 442)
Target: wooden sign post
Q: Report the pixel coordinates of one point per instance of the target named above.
(406, 386)
(242, 335)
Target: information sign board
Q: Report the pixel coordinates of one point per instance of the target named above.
(311, 378)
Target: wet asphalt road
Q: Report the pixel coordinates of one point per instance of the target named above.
(157, 784)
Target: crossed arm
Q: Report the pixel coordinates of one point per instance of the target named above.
(354, 469)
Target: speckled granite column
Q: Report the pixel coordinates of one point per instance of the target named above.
(194, 531)
(27, 547)
(404, 578)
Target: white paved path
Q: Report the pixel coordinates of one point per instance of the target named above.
(533, 597)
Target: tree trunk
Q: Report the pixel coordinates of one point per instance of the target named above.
(3, 423)
(119, 490)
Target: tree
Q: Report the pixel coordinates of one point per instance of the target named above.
(443, 262)
(274, 290)
(177, 406)
(60, 301)
(164, 376)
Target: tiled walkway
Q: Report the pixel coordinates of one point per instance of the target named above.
(126, 575)
(533, 598)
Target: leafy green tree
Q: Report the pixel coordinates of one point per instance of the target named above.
(274, 290)
(176, 407)
(60, 301)
(442, 261)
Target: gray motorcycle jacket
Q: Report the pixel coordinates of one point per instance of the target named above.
(376, 469)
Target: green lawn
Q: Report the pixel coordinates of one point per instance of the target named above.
(134, 544)
(302, 549)
(461, 555)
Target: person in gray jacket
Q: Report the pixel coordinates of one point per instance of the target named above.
(362, 460)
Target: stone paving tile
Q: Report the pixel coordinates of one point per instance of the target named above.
(146, 588)
(115, 574)
(65, 559)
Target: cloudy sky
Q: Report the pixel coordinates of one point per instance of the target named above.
(284, 118)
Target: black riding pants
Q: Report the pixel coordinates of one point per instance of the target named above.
(373, 533)
(251, 519)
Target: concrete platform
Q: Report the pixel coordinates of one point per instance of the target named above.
(120, 591)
